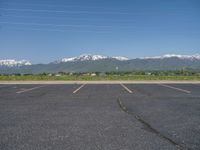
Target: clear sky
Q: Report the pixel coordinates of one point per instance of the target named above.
(46, 30)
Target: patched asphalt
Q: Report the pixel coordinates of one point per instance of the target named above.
(99, 117)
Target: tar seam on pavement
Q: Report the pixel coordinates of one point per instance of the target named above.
(153, 130)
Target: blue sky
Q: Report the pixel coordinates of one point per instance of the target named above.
(46, 30)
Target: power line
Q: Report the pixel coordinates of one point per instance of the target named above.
(67, 18)
(64, 11)
(65, 25)
(51, 5)
(57, 25)
(56, 30)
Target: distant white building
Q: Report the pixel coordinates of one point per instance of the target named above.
(58, 75)
(93, 74)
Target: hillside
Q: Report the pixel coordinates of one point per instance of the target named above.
(97, 63)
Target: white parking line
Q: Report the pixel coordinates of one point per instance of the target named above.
(196, 84)
(79, 88)
(126, 88)
(4, 86)
(27, 90)
(175, 88)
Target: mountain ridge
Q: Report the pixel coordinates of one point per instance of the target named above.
(89, 57)
(14, 63)
(99, 63)
(195, 56)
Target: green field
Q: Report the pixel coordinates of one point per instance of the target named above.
(96, 78)
(113, 76)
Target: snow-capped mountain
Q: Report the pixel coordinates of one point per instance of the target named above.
(99, 63)
(14, 63)
(190, 57)
(121, 58)
(86, 57)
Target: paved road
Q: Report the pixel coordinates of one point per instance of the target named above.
(105, 117)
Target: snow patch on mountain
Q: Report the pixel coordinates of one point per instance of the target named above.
(121, 58)
(86, 57)
(14, 63)
(190, 57)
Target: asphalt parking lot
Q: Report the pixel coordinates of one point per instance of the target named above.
(100, 117)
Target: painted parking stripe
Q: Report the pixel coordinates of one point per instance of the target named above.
(126, 88)
(27, 90)
(196, 84)
(175, 88)
(3, 86)
(78, 88)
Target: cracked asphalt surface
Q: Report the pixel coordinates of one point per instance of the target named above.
(52, 117)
